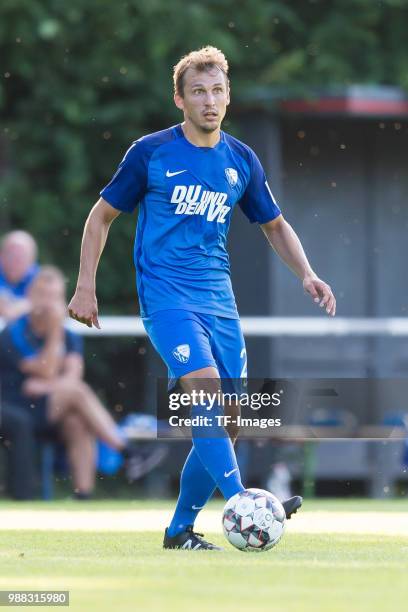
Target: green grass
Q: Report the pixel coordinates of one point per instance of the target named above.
(310, 505)
(130, 571)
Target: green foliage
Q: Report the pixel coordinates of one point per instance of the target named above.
(80, 80)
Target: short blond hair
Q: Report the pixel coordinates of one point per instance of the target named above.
(201, 60)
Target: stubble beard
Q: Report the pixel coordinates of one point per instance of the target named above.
(205, 129)
(208, 130)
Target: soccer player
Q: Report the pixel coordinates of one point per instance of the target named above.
(187, 180)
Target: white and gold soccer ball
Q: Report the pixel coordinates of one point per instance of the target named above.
(253, 520)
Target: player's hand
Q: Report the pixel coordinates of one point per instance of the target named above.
(321, 293)
(84, 308)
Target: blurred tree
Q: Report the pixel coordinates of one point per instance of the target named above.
(80, 80)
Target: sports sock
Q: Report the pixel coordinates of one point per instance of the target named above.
(196, 488)
(216, 451)
(210, 463)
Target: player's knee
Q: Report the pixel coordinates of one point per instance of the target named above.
(212, 386)
(204, 387)
(204, 380)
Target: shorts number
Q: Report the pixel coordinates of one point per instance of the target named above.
(244, 371)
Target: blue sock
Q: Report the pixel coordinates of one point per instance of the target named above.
(196, 488)
(197, 483)
(216, 451)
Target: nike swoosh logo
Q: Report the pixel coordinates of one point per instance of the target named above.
(227, 474)
(197, 507)
(169, 174)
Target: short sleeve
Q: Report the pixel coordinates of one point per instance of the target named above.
(73, 342)
(129, 183)
(257, 202)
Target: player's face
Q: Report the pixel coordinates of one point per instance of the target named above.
(205, 98)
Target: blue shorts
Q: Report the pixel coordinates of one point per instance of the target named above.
(188, 341)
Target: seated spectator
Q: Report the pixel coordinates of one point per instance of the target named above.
(18, 254)
(17, 432)
(41, 370)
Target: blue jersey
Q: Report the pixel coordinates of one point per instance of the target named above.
(186, 196)
(18, 290)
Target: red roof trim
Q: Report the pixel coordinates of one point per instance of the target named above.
(360, 106)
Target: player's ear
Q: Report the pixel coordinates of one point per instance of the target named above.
(178, 101)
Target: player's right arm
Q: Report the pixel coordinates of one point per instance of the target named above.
(125, 190)
(83, 306)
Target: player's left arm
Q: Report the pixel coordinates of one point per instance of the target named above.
(284, 240)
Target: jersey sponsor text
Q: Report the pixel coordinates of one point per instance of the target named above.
(194, 200)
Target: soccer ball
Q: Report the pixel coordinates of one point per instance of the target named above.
(253, 520)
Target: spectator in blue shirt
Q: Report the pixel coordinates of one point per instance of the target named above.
(41, 370)
(18, 267)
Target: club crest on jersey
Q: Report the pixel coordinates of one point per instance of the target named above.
(182, 353)
(232, 176)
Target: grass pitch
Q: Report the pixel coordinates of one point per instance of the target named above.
(127, 571)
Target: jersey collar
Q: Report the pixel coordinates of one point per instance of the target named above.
(179, 131)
